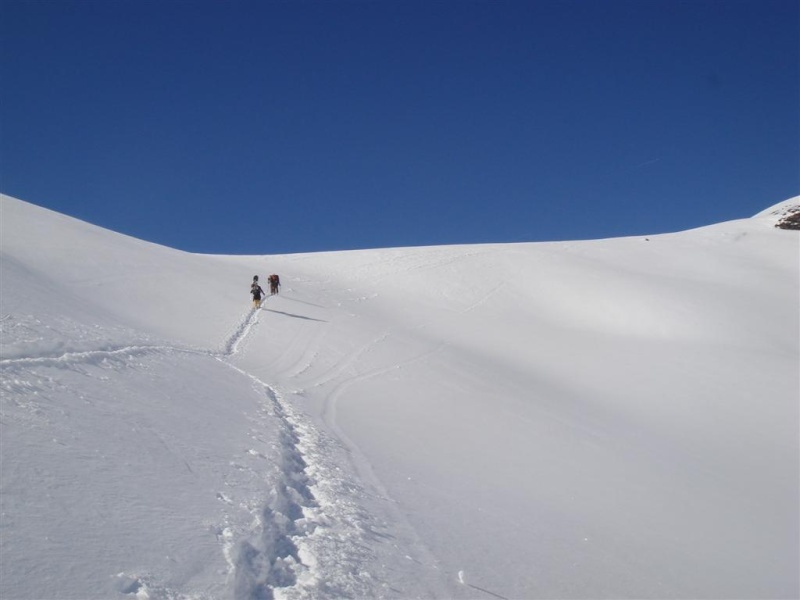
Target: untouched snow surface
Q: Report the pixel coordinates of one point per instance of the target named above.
(601, 419)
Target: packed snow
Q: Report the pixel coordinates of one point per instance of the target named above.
(598, 419)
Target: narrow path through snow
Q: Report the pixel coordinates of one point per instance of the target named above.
(316, 534)
(311, 536)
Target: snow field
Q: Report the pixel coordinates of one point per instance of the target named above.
(606, 419)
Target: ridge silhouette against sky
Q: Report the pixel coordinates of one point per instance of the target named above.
(276, 127)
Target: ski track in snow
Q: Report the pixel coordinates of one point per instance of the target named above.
(96, 357)
(103, 355)
(311, 513)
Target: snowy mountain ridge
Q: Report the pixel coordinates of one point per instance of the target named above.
(607, 419)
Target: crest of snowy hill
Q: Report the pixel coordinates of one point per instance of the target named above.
(599, 419)
(787, 214)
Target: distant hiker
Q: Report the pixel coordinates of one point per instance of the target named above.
(257, 292)
(274, 284)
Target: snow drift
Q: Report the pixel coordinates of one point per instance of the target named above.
(606, 419)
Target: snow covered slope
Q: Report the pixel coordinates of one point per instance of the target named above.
(605, 419)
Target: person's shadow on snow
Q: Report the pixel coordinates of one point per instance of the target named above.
(280, 312)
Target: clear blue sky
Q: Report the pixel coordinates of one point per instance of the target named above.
(267, 127)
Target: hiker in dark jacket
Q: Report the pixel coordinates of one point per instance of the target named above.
(257, 292)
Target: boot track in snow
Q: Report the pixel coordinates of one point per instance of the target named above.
(309, 537)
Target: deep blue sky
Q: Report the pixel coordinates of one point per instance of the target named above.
(270, 127)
